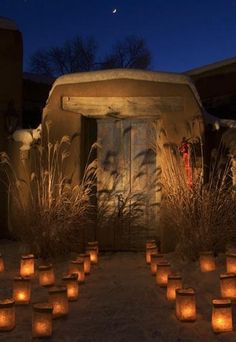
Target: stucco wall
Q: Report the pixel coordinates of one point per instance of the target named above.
(10, 98)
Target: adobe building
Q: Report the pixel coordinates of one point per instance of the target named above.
(10, 96)
(125, 111)
(216, 85)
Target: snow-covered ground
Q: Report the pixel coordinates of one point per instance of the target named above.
(119, 301)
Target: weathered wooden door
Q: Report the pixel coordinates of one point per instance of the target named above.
(126, 183)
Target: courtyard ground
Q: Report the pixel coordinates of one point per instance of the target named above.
(119, 301)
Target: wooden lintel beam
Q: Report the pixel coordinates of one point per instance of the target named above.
(122, 106)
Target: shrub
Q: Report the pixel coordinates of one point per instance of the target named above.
(50, 212)
(204, 215)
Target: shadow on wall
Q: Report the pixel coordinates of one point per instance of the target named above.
(128, 186)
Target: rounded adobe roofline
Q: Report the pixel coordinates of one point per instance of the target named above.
(133, 74)
(8, 24)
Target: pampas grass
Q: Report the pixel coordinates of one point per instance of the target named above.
(203, 217)
(121, 213)
(50, 212)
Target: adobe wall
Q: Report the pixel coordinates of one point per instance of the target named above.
(10, 98)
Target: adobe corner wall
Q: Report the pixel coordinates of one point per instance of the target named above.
(10, 97)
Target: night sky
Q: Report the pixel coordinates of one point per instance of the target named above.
(181, 34)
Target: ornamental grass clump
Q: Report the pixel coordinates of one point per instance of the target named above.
(50, 209)
(199, 214)
(203, 215)
(121, 214)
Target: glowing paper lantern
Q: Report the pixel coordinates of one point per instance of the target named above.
(81, 256)
(221, 319)
(228, 285)
(155, 258)
(149, 252)
(27, 265)
(150, 243)
(59, 301)
(71, 283)
(186, 305)
(21, 290)
(42, 320)
(231, 262)
(46, 275)
(93, 254)
(77, 266)
(87, 263)
(7, 315)
(2, 267)
(92, 244)
(163, 270)
(207, 262)
(174, 283)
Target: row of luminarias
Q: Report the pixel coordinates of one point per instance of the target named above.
(185, 298)
(59, 296)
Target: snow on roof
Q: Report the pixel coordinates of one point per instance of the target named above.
(141, 75)
(7, 24)
(217, 122)
(38, 78)
(209, 67)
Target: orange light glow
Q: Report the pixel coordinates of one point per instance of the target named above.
(27, 265)
(22, 290)
(41, 328)
(185, 305)
(155, 258)
(93, 254)
(46, 275)
(42, 320)
(174, 283)
(87, 263)
(228, 285)
(149, 251)
(221, 320)
(207, 262)
(2, 266)
(71, 282)
(77, 266)
(163, 270)
(231, 262)
(20, 296)
(7, 315)
(59, 301)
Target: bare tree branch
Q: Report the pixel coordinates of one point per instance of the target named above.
(79, 54)
(40, 63)
(75, 55)
(132, 52)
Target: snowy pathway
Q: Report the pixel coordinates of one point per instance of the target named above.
(118, 302)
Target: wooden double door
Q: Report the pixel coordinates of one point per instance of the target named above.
(127, 183)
